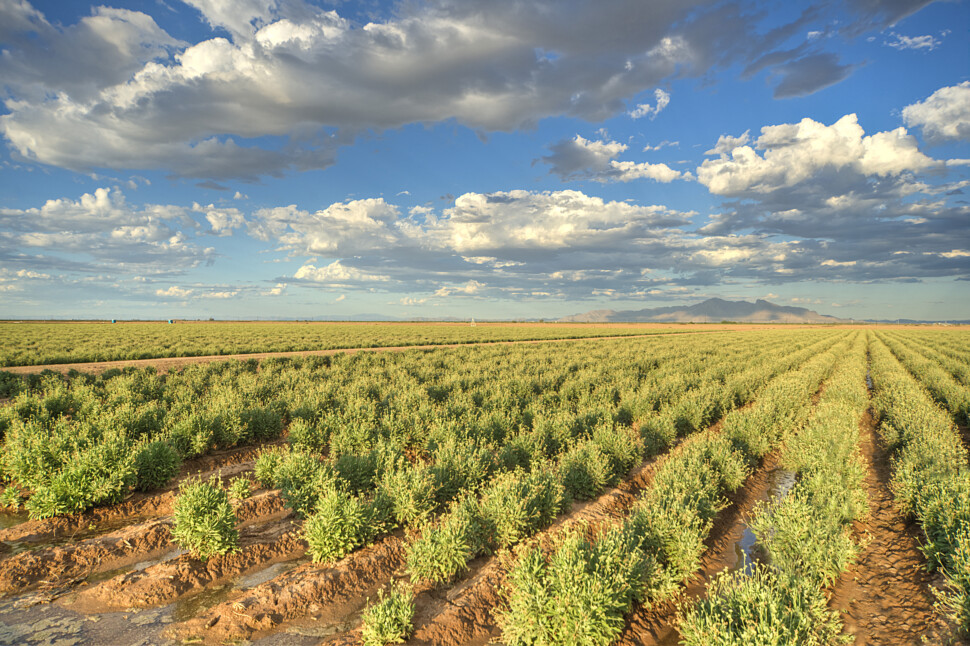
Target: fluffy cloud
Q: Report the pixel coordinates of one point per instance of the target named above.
(798, 152)
(580, 158)
(335, 274)
(292, 82)
(99, 232)
(222, 221)
(646, 110)
(345, 227)
(944, 115)
(174, 292)
(855, 204)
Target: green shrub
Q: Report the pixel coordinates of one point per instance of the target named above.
(585, 471)
(443, 551)
(205, 522)
(342, 522)
(412, 491)
(578, 595)
(390, 620)
(765, 608)
(240, 489)
(516, 505)
(155, 464)
(267, 464)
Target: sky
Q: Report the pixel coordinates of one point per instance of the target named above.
(242, 159)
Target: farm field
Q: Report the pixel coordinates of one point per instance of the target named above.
(791, 485)
(31, 343)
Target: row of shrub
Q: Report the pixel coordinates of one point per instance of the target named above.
(931, 478)
(72, 443)
(940, 382)
(956, 362)
(40, 343)
(579, 591)
(583, 472)
(805, 535)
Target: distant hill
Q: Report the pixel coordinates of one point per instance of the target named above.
(712, 310)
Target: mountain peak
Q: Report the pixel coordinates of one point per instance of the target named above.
(713, 310)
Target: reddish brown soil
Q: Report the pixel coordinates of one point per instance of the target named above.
(167, 364)
(65, 564)
(886, 596)
(52, 565)
(186, 575)
(318, 592)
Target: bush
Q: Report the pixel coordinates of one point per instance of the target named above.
(155, 464)
(443, 551)
(268, 463)
(579, 595)
(205, 522)
(411, 490)
(766, 608)
(516, 505)
(240, 489)
(389, 621)
(343, 522)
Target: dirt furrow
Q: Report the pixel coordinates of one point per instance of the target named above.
(310, 592)
(886, 596)
(186, 575)
(63, 564)
(726, 548)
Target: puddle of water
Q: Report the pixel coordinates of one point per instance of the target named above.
(137, 567)
(262, 576)
(186, 609)
(868, 380)
(746, 549)
(10, 518)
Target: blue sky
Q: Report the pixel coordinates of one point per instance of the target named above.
(299, 158)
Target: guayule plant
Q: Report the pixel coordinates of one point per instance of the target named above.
(205, 522)
(390, 620)
(155, 464)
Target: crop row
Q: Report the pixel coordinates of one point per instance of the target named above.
(805, 536)
(931, 479)
(525, 478)
(70, 444)
(938, 380)
(956, 363)
(577, 591)
(39, 343)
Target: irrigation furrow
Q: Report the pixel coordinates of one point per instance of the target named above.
(886, 596)
(64, 564)
(308, 591)
(728, 547)
(185, 575)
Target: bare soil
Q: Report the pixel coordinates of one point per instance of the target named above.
(886, 597)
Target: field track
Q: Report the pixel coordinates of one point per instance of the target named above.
(889, 578)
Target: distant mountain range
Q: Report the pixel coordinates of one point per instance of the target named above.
(713, 310)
